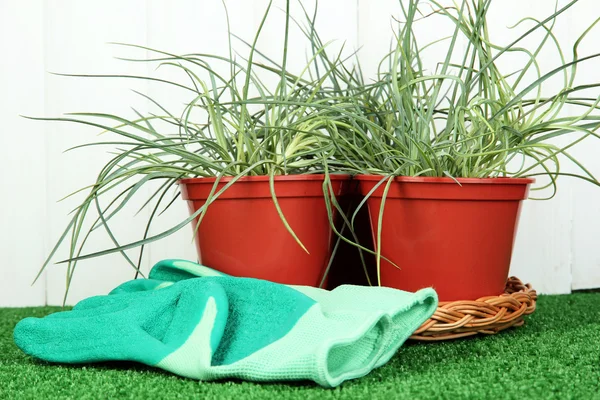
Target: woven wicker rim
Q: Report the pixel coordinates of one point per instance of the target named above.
(486, 315)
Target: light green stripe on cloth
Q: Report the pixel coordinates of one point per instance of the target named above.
(329, 345)
(202, 324)
(348, 332)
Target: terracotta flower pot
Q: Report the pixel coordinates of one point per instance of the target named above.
(242, 234)
(455, 238)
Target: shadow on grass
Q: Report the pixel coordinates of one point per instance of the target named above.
(130, 366)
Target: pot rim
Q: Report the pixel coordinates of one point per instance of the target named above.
(265, 178)
(445, 180)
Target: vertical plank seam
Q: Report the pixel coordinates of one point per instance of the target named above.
(147, 256)
(47, 226)
(571, 232)
(357, 25)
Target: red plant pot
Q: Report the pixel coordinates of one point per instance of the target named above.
(455, 238)
(242, 234)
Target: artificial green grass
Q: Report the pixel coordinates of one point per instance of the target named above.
(555, 355)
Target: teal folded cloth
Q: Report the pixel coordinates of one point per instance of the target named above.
(199, 323)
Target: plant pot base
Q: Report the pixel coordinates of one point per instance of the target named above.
(487, 315)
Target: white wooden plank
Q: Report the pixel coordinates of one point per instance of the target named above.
(586, 197)
(556, 249)
(23, 176)
(542, 252)
(174, 28)
(77, 36)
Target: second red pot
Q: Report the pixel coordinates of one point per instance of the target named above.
(242, 234)
(455, 238)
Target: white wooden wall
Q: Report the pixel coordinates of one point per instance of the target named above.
(556, 246)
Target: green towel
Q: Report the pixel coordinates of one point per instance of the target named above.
(198, 323)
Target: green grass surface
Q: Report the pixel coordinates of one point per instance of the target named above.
(555, 355)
